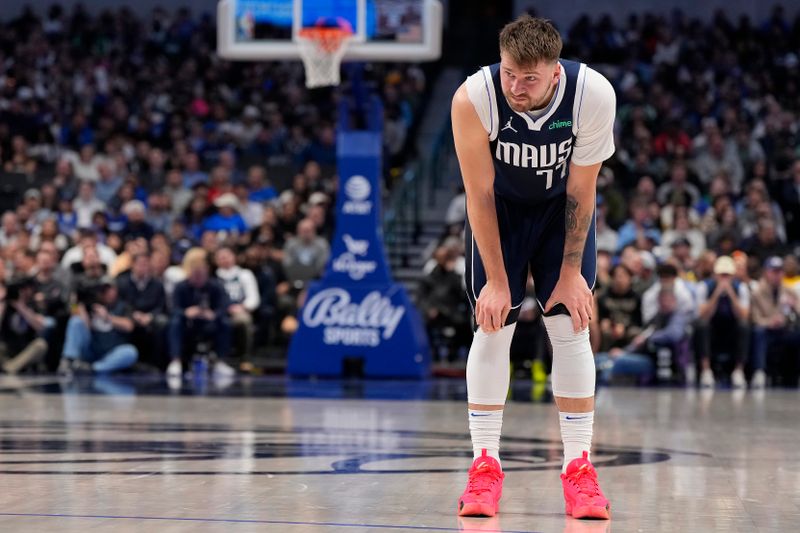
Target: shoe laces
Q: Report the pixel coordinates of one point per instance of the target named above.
(482, 477)
(586, 480)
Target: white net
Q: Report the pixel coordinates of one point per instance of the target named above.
(322, 51)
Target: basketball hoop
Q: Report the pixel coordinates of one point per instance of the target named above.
(322, 50)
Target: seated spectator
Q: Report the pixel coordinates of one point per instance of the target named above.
(305, 256)
(48, 232)
(776, 320)
(667, 330)
(86, 204)
(137, 225)
(88, 239)
(684, 228)
(108, 183)
(252, 211)
(192, 174)
(260, 188)
(716, 158)
(86, 163)
(639, 227)
(97, 335)
(790, 199)
(88, 271)
(618, 316)
(178, 196)
(667, 275)
(441, 300)
(199, 315)
(227, 218)
(606, 238)
(678, 190)
(765, 243)
(244, 299)
(723, 324)
(20, 162)
(159, 214)
(9, 229)
(144, 296)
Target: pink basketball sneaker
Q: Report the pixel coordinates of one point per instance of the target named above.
(484, 488)
(582, 494)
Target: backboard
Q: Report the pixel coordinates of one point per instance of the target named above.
(383, 30)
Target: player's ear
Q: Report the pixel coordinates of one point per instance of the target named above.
(557, 72)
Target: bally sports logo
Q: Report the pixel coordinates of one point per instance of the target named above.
(357, 189)
(349, 323)
(349, 262)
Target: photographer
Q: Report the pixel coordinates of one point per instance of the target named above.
(144, 294)
(97, 335)
(51, 297)
(24, 325)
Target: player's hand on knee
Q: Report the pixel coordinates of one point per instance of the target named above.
(573, 292)
(493, 306)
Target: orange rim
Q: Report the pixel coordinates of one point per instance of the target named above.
(329, 39)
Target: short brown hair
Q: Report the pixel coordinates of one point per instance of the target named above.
(529, 40)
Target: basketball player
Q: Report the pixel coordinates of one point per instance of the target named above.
(531, 133)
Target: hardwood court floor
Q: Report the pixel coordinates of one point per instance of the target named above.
(119, 456)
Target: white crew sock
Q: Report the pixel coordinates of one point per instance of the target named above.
(484, 427)
(576, 434)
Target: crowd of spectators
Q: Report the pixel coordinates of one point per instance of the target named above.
(172, 202)
(698, 219)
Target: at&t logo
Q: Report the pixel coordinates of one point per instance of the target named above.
(357, 190)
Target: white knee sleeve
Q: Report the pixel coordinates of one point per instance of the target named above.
(488, 366)
(573, 361)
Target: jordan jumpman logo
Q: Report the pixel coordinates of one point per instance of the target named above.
(508, 125)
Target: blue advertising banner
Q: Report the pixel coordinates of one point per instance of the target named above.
(356, 311)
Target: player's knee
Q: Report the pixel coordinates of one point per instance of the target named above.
(573, 361)
(488, 366)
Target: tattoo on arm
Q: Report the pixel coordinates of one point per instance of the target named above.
(577, 225)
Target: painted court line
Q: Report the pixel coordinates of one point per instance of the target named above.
(270, 522)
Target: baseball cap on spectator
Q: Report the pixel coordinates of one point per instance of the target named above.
(286, 197)
(681, 241)
(773, 263)
(317, 198)
(133, 206)
(33, 193)
(725, 265)
(251, 111)
(227, 200)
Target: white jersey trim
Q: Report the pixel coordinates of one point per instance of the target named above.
(480, 90)
(594, 119)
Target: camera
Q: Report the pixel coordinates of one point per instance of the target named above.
(15, 287)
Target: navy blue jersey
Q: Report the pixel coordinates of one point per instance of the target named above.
(531, 156)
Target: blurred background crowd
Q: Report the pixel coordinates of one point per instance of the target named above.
(189, 196)
(160, 201)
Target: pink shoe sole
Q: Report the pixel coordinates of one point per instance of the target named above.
(477, 509)
(590, 511)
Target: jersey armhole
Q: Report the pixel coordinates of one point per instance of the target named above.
(480, 90)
